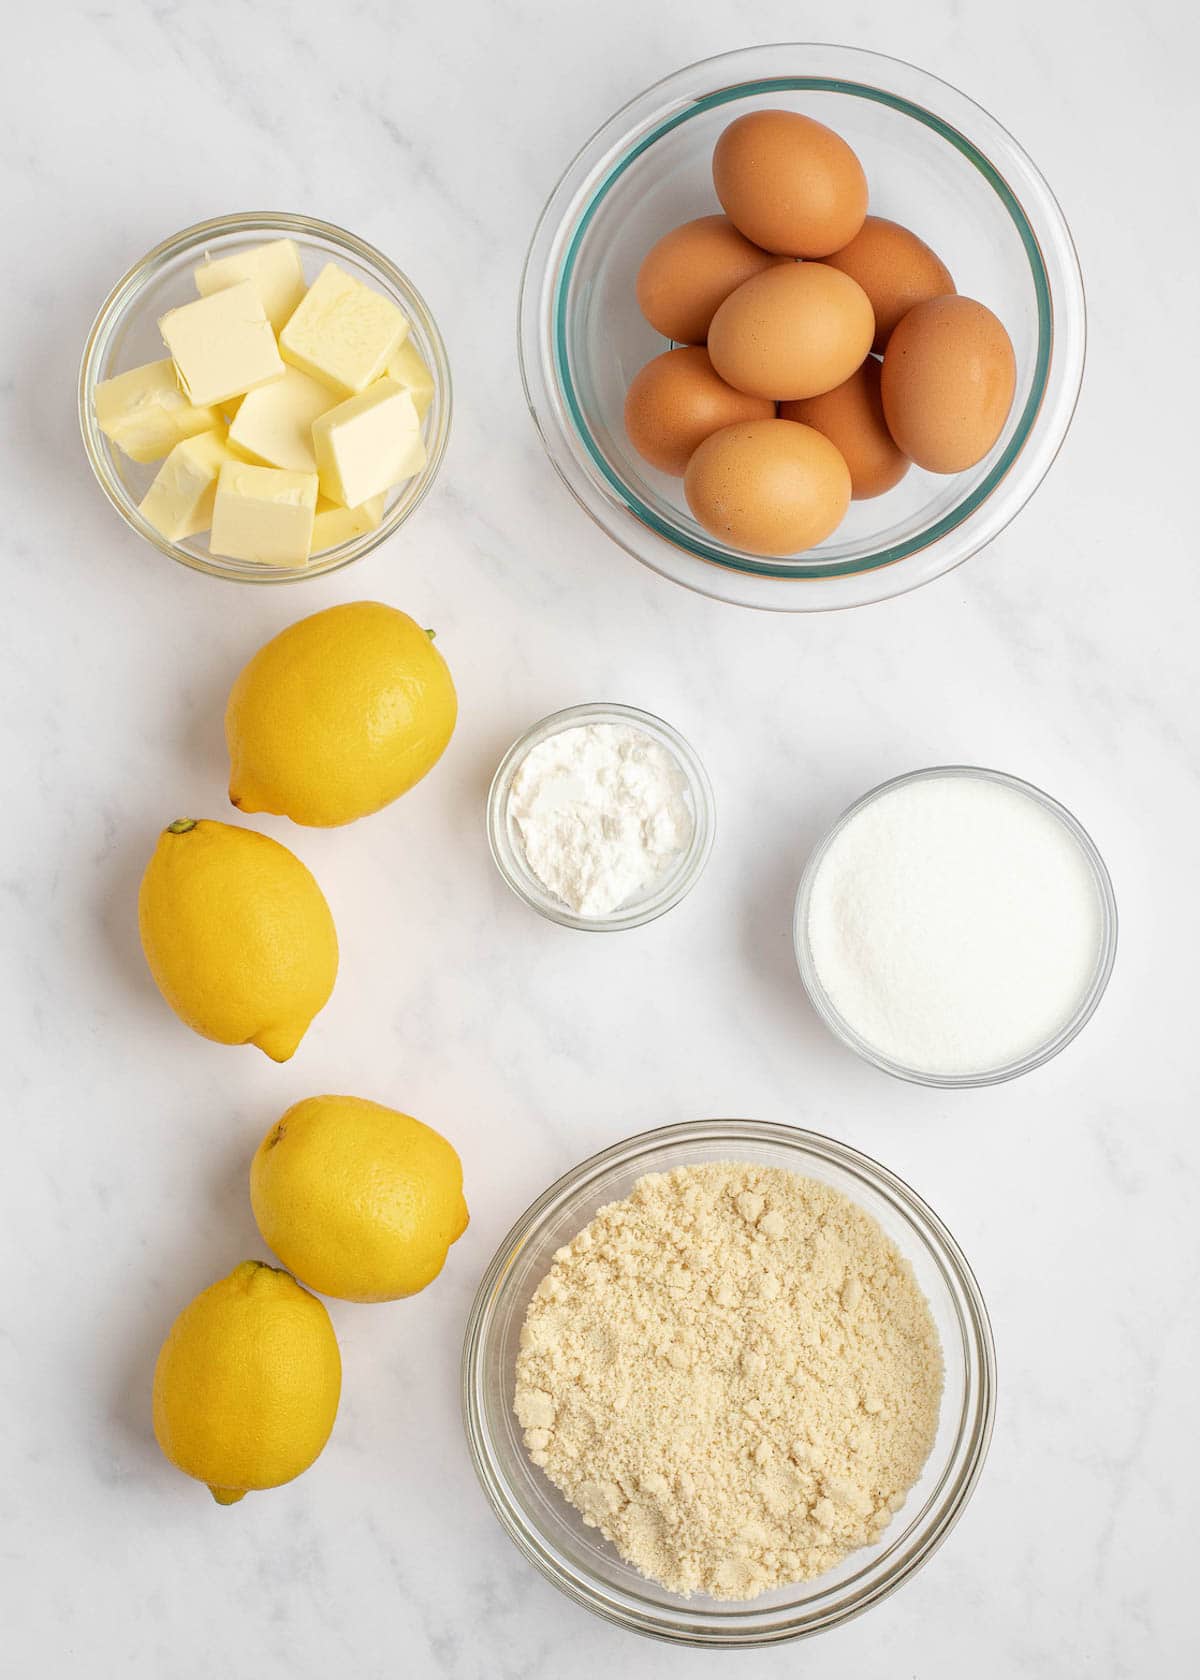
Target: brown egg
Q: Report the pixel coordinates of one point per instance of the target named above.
(851, 417)
(789, 183)
(948, 379)
(676, 401)
(895, 269)
(768, 486)
(691, 271)
(792, 331)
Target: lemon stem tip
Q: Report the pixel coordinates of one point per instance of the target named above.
(181, 825)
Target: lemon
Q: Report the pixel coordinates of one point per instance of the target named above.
(358, 1200)
(238, 936)
(338, 715)
(247, 1382)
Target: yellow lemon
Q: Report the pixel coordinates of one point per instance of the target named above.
(358, 1200)
(338, 715)
(238, 935)
(247, 1383)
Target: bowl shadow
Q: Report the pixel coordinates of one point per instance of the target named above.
(767, 911)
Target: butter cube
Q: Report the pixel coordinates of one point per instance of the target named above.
(334, 524)
(342, 332)
(367, 444)
(221, 345)
(274, 424)
(146, 414)
(275, 271)
(180, 501)
(263, 514)
(408, 369)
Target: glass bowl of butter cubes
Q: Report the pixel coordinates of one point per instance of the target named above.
(265, 397)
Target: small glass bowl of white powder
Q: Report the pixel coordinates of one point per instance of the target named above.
(956, 927)
(601, 817)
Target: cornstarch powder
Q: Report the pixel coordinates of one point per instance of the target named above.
(733, 1375)
(602, 813)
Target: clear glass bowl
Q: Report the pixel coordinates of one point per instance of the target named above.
(125, 334)
(551, 1534)
(1105, 956)
(509, 854)
(937, 163)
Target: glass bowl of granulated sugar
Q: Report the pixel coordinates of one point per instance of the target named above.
(735, 1356)
(956, 927)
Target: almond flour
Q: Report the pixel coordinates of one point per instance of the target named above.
(733, 1375)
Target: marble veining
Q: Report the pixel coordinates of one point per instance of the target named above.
(1065, 654)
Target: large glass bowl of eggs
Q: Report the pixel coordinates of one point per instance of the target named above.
(802, 327)
(265, 397)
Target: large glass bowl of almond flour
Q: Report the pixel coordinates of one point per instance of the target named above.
(574, 1555)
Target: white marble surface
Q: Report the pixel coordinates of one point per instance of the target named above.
(1066, 654)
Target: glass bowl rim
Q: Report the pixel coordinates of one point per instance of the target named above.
(545, 362)
(1090, 1001)
(676, 886)
(741, 1626)
(124, 296)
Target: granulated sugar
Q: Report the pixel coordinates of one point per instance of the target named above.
(955, 924)
(733, 1375)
